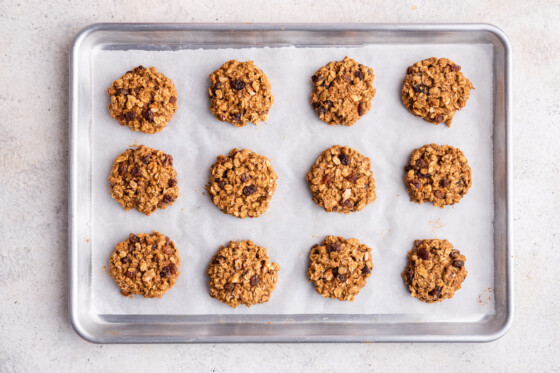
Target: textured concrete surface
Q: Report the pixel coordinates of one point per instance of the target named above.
(35, 334)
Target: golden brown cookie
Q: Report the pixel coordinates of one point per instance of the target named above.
(143, 100)
(339, 267)
(144, 179)
(435, 271)
(242, 273)
(343, 92)
(341, 180)
(437, 174)
(242, 183)
(240, 93)
(434, 89)
(145, 264)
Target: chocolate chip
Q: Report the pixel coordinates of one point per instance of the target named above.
(146, 159)
(455, 68)
(125, 260)
(344, 159)
(416, 183)
(244, 177)
(148, 115)
(222, 183)
(250, 189)
(173, 99)
(423, 253)
(334, 247)
(229, 287)
(133, 238)
(255, 280)
(439, 118)
(458, 263)
(444, 183)
(361, 109)
(131, 274)
(171, 183)
(123, 167)
(130, 115)
(366, 270)
(341, 277)
(435, 292)
(439, 194)
(236, 117)
(135, 172)
(359, 74)
(237, 84)
(352, 178)
(421, 88)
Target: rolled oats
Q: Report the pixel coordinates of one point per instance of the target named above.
(343, 92)
(434, 89)
(242, 273)
(339, 267)
(437, 174)
(144, 179)
(240, 93)
(341, 180)
(145, 264)
(242, 183)
(435, 271)
(143, 100)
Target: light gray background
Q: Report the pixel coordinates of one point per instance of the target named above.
(35, 334)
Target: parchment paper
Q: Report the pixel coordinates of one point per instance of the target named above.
(292, 138)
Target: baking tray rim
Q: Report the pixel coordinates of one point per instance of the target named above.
(76, 319)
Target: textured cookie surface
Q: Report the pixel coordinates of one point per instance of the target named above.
(242, 273)
(339, 267)
(143, 100)
(145, 264)
(435, 270)
(341, 180)
(342, 92)
(242, 183)
(434, 89)
(240, 93)
(144, 179)
(437, 174)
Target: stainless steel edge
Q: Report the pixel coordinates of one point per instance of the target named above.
(76, 318)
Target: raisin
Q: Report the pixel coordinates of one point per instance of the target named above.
(327, 179)
(172, 268)
(341, 277)
(237, 84)
(133, 238)
(154, 246)
(435, 292)
(410, 275)
(125, 260)
(123, 167)
(168, 249)
(148, 115)
(328, 104)
(425, 176)
(316, 78)
(131, 248)
(366, 270)
(344, 159)
(135, 172)
(453, 254)
(421, 88)
(229, 287)
(130, 115)
(458, 263)
(248, 190)
(421, 163)
(334, 247)
(361, 109)
(164, 272)
(347, 78)
(222, 183)
(136, 90)
(255, 280)
(444, 183)
(244, 177)
(455, 68)
(409, 70)
(167, 160)
(348, 204)
(173, 99)
(439, 194)
(439, 118)
(408, 168)
(236, 117)
(131, 274)
(417, 242)
(146, 159)
(360, 75)
(171, 183)
(352, 178)
(123, 91)
(138, 69)
(167, 199)
(423, 253)
(416, 183)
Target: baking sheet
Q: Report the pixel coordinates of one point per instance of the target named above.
(292, 138)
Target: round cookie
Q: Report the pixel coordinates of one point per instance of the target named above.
(342, 92)
(437, 174)
(339, 267)
(242, 273)
(341, 180)
(242, 183)
(144, 179)
(434, 89)
(143, 100)
(240, 93)
(435, 271)
(145, 264)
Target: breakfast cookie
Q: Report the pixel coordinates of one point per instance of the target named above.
(437, 174)
(242, 183)
(341, 180)
(145, 264)
(434, 271)
(434, 89)
(144, 179)
(143, 100)
(242, 273)
(339, 267)
(240, 93)
(343, 92)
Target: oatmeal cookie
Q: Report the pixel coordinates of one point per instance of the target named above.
(145, 264)
(242, 273)
(434, 271)
(343, 92)
(144, 179)
(437, 174)
(240, 93)
(341, 180)
(339, 267)
(143, 100)
(242, 183)
(434, 89)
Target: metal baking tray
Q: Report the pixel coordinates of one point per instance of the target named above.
(154, 328)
